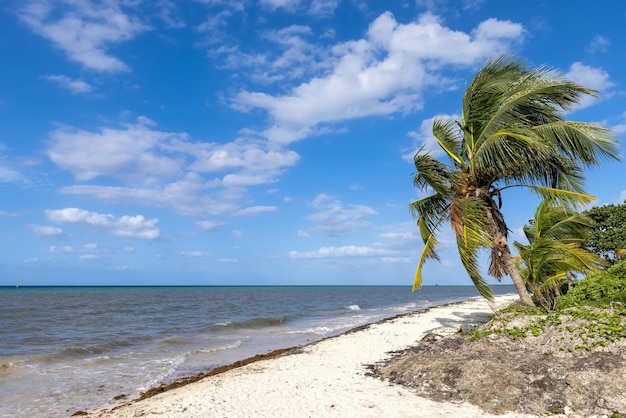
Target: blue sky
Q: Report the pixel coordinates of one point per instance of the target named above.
(257, 141)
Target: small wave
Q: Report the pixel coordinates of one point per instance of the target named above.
(102, 360)
(219, 324)
(403, 308)
(231, 346)
(9, 366)
(353, 308)
(249, 323)
(101, 347)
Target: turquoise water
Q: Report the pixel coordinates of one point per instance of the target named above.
(64, 349)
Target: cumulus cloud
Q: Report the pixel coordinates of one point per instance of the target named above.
(125, 226)
(134, 152)
(383, 73)
(332, 218)
(247, 155)
(83, 30)
(166, 169)
(590, 77)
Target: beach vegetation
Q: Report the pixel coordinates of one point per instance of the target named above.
(587, 327)
(511, 134)
(555, 252)
(607, 238)
(605, 289)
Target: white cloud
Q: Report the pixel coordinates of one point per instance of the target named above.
(333, 219)
(63, 249)
(8, 175)
(75, 86)
(348, 251)
(133, 153)
(88, 257)
(46, 231)
(185, 197)
(399, 235)
(166, 169)
(381, 74)
(302, 233)
(124, 226)
(194, 254)
(168, 13)
(209, 225)
(254, 210)
(287, 54)
(323, 7)
(84, 30)
(424, 138)
(599, 44)
(590, 77)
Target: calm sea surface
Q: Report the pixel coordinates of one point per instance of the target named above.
(65, 349)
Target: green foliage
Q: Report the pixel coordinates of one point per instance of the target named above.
(608, 236)
(512, 133)
(554, 252)
(573, 329)
(598, 289)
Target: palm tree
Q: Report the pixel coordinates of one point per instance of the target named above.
(555, 250)
(511, 134)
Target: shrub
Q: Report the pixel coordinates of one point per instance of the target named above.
(598, 289)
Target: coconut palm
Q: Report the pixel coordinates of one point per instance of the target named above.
(511, 134)
(555, 250)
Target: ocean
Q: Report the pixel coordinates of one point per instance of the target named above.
(68, 349)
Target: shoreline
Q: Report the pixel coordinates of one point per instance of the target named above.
(322, 378)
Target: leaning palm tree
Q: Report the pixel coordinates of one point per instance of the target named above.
(555, 249)
(511, 134)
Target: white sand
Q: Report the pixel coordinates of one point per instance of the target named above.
(326, 379)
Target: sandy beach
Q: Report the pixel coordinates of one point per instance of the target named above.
(327, 378)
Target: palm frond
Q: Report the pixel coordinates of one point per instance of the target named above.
(470, 263)
(430, 210)
(431, 174)
(446, 132)
(588, 143)
(428, 226)
(562, 197)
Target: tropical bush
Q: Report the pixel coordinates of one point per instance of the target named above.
(598, 289)
(554, 252)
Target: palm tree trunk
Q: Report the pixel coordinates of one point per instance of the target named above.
(518, 281)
